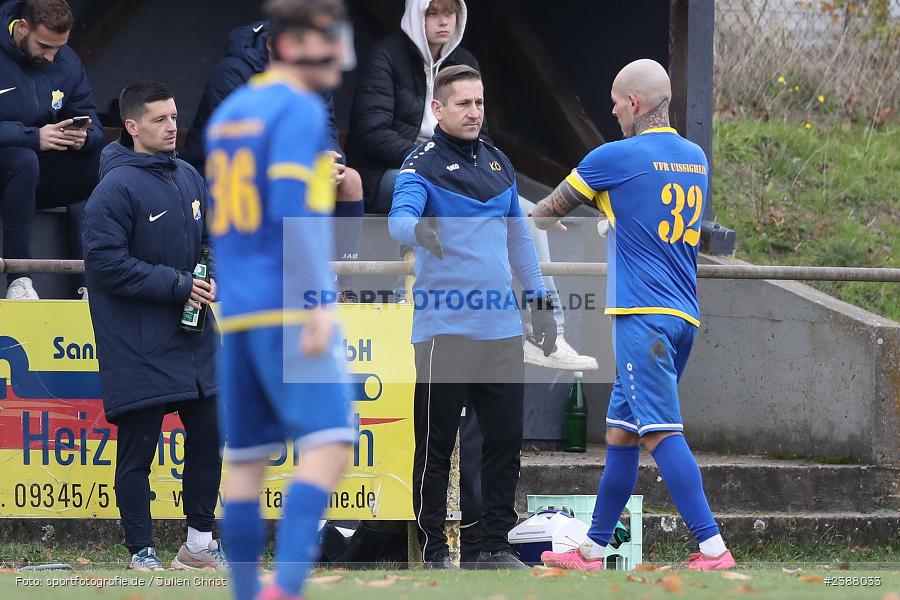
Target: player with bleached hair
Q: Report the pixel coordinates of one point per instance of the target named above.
(651, 185)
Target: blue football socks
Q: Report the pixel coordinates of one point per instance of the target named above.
(681, 475)
(245, 537)
(616, 484)
(297, 546)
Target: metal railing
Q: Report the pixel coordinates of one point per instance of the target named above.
(555, 269)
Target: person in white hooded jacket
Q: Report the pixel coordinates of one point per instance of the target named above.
(392, 115)
(392, 108)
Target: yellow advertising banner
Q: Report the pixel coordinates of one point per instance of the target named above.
(57, 451)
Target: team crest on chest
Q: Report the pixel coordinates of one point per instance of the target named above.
(56, 99)
(196, 206)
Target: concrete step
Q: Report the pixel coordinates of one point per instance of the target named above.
(733, 483)
(814, 528)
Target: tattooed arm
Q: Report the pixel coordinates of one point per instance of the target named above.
(561, 201)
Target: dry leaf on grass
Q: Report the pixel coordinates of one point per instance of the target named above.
(645, 567)
(672, 583)
(812, 579)
(327, 579)
(614, 588)
(377, 583)
(633, 579)
(891, 596)
(7, 571)
(420, 584)
(792, 571)
(735, 576)
(882, 116)
(548, 572)
(665, 568)
(747, 589)
(134, 596)
(82, 561)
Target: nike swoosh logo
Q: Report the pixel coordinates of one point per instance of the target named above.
(7, 90)
(155, 217)
(257, 29)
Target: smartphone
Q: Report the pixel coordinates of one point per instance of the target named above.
(79, 122)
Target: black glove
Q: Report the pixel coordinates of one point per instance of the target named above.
(543, 325)
(427, 237)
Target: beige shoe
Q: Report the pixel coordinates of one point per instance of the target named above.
(210, 558)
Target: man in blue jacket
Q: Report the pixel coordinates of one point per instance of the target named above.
(456, 201)
(46, 158)
(247, 54)
(144, 232)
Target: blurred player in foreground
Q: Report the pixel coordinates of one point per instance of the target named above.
(282, 373)
(651, 185)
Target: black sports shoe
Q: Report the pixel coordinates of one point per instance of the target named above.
(442, 562)
(502, 559)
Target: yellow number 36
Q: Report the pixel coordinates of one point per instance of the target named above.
(236, 201)
(676, 230)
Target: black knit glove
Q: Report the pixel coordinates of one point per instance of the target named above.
(427, 237)
(543, 325)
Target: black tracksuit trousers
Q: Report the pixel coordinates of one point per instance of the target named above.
(138, 437)
(452, 372)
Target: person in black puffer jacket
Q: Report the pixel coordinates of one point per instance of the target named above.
(144, 230)
(392, 107)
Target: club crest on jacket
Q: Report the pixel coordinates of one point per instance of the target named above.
(56, 99)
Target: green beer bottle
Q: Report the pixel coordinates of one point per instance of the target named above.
(575, 421)
(192, 319)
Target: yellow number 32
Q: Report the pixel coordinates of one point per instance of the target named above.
(675, 231)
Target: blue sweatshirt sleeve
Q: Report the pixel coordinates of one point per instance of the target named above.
(522, 255)
(407, 206)
(16, 133)
(108, 222)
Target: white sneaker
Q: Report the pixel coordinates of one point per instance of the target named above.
(563, 356)
(21, 289)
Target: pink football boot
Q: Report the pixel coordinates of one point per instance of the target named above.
(573, 559)
(701, 562)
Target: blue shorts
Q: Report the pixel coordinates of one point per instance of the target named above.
(260, 408)
(651, 352)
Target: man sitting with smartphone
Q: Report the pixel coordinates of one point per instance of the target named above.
(50, 137)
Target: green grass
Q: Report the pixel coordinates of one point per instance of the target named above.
(822, 196)
(773, 552)
(375, 585)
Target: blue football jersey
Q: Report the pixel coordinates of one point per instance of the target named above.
(270, 184)
(652, 187)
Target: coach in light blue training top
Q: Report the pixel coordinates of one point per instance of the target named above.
(455, 200)
(470, 187)
(651, 186)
